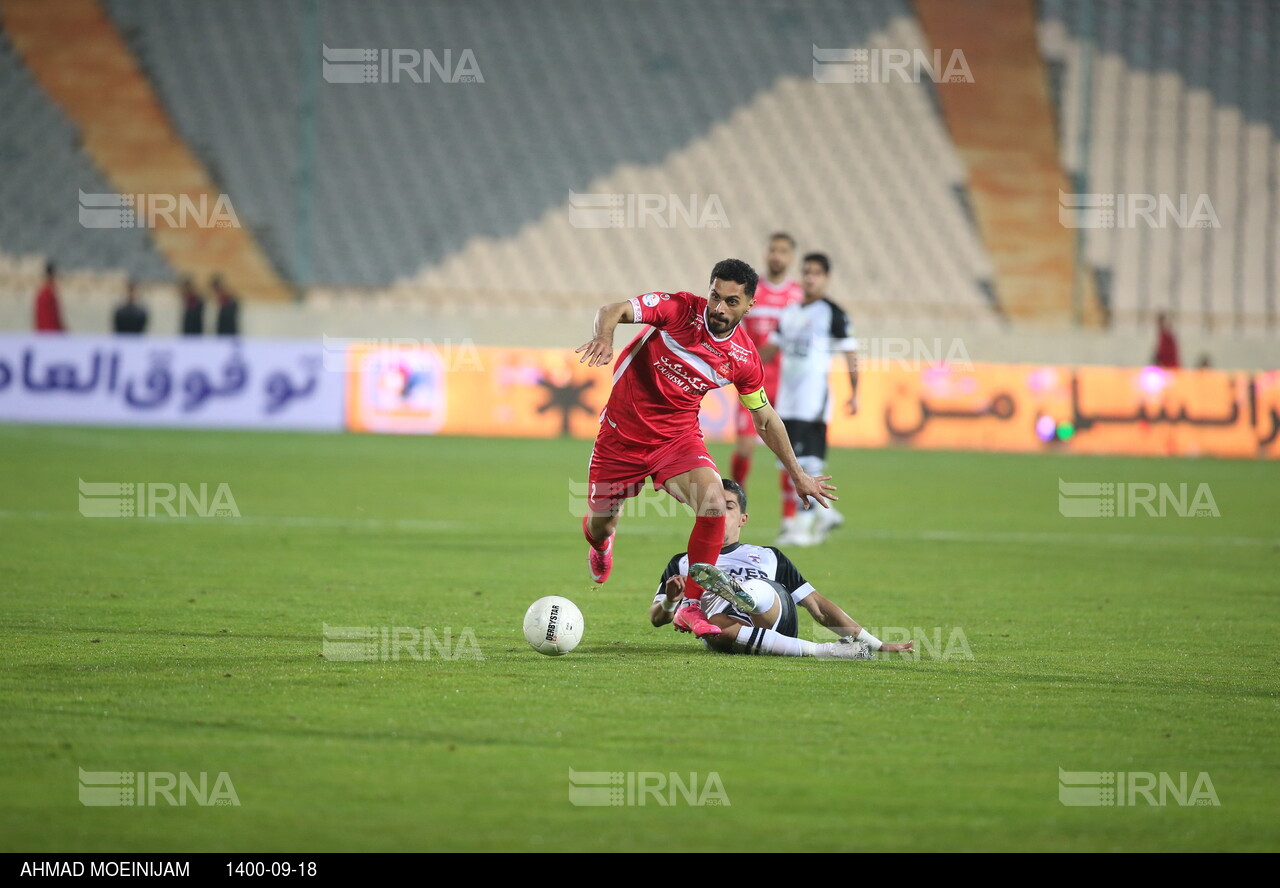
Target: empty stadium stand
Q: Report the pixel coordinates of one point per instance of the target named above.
(593, 150)
(41, 170)
(463, 187)
(1169, 102)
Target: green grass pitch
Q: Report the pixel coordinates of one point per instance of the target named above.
(170, 645)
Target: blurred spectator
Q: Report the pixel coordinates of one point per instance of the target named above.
(228, 308)
(130, 317)
(1166, 344)
(192, 309)
(1205, 362)
(48, 312)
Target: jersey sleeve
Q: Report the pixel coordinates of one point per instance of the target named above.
(789, 576)
(673, 569)
(660, 309)
(842, 338)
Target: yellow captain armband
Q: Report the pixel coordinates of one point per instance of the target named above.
(755, 400)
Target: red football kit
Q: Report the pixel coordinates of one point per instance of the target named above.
(762, 320)
(649, 427)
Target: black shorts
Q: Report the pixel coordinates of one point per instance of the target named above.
(788, 621)
(807, 438)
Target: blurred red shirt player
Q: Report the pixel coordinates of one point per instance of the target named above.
(1166, 344)
(775, 292)
(649, 427)
(48, 312)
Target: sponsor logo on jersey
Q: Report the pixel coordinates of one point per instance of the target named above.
(739, 353)
(679, 374)
(652, 299)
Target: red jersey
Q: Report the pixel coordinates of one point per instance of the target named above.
(663, 373)
(1167, 350)
(48, 315)
(771, 299)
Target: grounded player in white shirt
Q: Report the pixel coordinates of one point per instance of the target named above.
(755, 593)
(809, 334)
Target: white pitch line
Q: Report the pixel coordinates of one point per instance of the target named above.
(945, 536)
(261, 521)
(1125, 539)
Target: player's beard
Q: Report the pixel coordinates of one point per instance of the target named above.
(726, 326)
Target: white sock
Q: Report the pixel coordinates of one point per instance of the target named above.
(752, 640)
(815, 467)
(871, 641)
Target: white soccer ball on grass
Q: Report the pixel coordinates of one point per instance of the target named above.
(553, 625)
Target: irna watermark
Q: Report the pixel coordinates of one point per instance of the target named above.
(642, 788)
(154, 499)
(638, 210)
(384, 644)
(401, 65)
(1126, 789)
(145, 789)
(863, 65)
(1095, 210)
(1123, 499)
(146, 210)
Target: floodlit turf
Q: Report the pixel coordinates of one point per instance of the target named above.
(162, 645)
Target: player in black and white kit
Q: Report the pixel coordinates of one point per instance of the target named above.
(809, 334)
(755, 591)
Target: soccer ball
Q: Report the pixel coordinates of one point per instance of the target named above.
(553, 625)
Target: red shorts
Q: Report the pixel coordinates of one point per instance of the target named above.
(746, 425)
(618, 467)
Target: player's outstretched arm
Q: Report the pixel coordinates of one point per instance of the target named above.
(663, 612)
(851, 360)
(771, 430)
(831, 615)
(599, 350)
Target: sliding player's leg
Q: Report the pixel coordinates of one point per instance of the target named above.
(770, 628)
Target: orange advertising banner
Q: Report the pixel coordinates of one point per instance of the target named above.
(518, 392)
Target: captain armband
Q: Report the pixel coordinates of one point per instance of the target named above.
(755, 400)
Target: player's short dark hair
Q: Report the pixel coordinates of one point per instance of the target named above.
(782, 235)
(738, 272)
(820, 258)
(50, 268)
(735, 488)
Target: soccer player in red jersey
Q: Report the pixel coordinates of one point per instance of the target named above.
(775, 292)
(649, 427)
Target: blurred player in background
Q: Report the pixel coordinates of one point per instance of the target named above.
(649, 427)
(1166, 353)
(809, 333)
(756, 590)
(130, 316)
(775, 291)
(48, 311)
